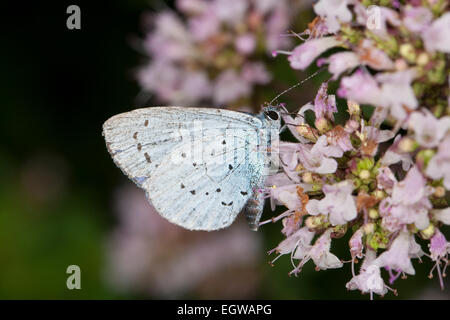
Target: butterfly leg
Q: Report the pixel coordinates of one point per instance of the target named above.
(254, 209)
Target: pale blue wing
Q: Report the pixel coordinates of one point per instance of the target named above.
(201, 192)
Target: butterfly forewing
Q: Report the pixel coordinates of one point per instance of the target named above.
(198, 166)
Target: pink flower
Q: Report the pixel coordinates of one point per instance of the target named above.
(204, 26)
(170, 39)
(442, 215)
(317, 159)
(297, 243)
(372, 137)
(370, 55)
(409, 201)
(439, 250)
(246, 43)
(304, 54)
(436, 37)
(396, 92)
(276, 24)
(230, 11)
(256, 72)
(398, 256)
(341, 62)
(428, 131)
(319, 253)
(195, 87)
(324, 104)
(386, 179)
(229, 86)
(339, 138)
(360, 87)
(369, 279)
(338, 203)
(287, 195)
(392, 155)
(439, 165)
(439, 246)
(297, 122)
(334, 12)
(416, 19)
(356, 244)
(192, 6)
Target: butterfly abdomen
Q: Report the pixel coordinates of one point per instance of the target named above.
(253, 210)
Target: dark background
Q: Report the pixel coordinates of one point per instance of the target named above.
(57, 181)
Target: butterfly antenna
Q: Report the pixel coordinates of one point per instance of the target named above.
(297, 84)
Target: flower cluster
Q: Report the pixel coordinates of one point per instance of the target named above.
(382, 176)
(215, 51)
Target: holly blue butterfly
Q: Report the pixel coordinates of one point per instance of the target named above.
(199, 167)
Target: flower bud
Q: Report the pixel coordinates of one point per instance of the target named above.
(428, 232)
(408, 52)
(439, 192)
(307, 177)
(373, 213)
(407, 145)
(423, 59)
(369, 228)
(364, 174)
(322, 125)
(353, 108)
(379, 194)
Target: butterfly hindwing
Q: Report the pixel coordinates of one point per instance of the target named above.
(198, 166)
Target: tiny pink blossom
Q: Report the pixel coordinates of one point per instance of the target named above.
(304, 54)
(230, 11)
(428, 131)
(392, 156)
(246, 43)
(299, 243)
(230, 86)
(341, 62)
(436, 37)
(409, 201)
(397, 257)
(320, 254)
(288, 196)
(439, 246)
(356, 244)
(204, 26)
(318, 158)
(338, 203)
(439, 251)
(416, 19)
(360, 87)
(334, 12)
(298, 121)
(386, 179)
(396, 92)
(324, 104)
(442, 215)
(256, 72)
(369, 279)
(439, 165)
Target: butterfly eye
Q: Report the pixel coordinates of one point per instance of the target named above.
(272, 115)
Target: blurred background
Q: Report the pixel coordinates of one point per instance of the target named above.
(62, 200)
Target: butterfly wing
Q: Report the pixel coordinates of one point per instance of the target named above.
(198, 166)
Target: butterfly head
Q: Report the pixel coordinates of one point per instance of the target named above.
(272, 116)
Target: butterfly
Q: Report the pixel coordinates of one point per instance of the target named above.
(199, 167)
